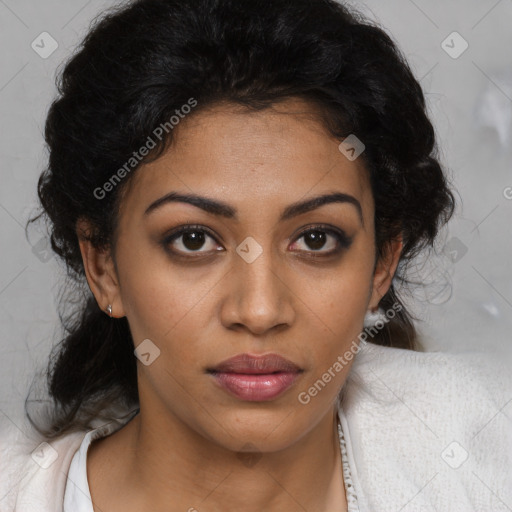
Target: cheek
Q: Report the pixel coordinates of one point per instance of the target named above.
(167, 304)
(341, 296)
(340, 303)
(154, 295)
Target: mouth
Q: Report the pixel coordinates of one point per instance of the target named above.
(256, 378)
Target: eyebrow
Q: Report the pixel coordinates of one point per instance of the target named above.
(222, 209)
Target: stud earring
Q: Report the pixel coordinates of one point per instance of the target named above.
(109, 310)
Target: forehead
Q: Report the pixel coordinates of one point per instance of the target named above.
(257, 159)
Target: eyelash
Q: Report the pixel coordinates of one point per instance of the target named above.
(342, 239)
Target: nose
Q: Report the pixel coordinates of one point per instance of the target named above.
(258, 297)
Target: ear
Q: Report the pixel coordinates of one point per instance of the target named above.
(385, 270)
(100, 271)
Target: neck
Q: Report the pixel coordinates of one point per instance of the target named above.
(163, 462)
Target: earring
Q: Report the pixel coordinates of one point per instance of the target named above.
(109, 310)
(372, 317)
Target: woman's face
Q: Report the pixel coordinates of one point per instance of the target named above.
(245, 278)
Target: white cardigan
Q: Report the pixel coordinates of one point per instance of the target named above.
(424, 432)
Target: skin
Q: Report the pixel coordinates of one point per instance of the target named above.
(188, 448)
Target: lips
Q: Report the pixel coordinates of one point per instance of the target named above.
(245, 363)
(255, 378)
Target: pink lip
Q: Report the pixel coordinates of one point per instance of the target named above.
(256, 378)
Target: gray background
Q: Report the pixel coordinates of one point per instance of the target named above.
(467, 306)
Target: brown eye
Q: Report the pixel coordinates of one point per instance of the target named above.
(325, 241)
(315, 239)
(191, 239)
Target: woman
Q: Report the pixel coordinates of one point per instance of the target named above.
(241, 186)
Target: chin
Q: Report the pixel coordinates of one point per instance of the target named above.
(258, 430)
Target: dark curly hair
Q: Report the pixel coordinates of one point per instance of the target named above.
(139, 64)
